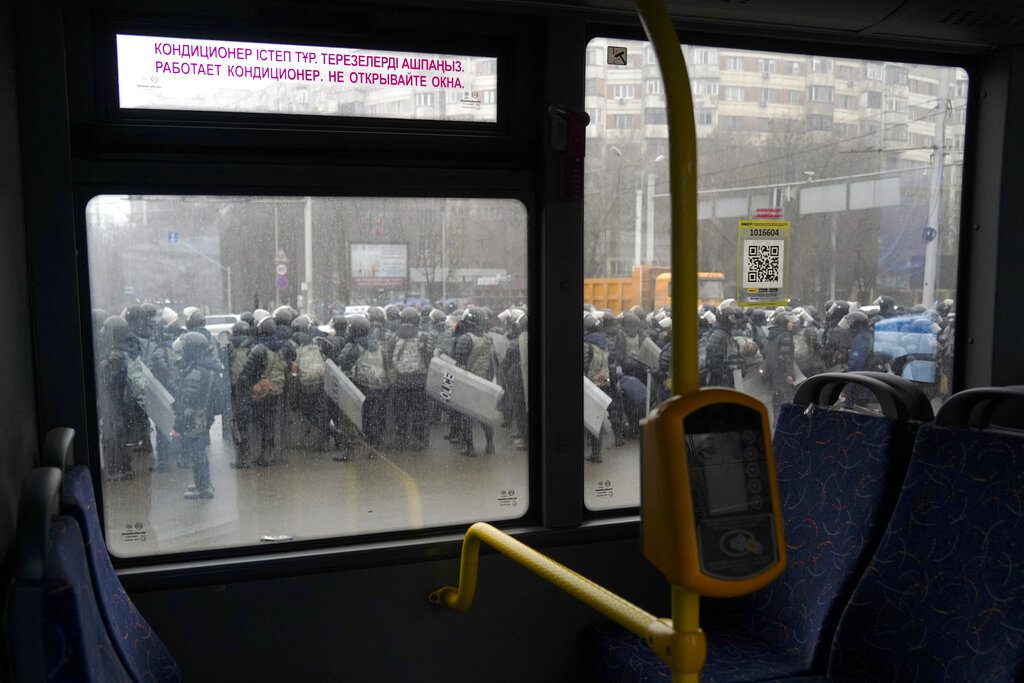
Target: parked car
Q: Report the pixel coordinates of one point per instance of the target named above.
(220, 323)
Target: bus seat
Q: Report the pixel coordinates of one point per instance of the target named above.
(54, 627)
(141, 651)
(943, 596)
(839, 473)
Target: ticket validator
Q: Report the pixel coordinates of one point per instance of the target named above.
(709, 499)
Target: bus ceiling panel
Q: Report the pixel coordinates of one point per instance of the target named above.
(937, 22)
(993, 23)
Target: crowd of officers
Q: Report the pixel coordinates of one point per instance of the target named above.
(765, 352)
(271, 365)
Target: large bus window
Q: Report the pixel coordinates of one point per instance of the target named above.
(866, 174)
(278, 368)
(269, 78)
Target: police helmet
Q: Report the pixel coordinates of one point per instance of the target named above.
(116, 328)
(301, 324)
(885, 303)
(259, 314)
(359, 325)
(266, 326)
(409, 316)
(854, 319)
(240, 328)
(590, 322)
(340, 324)
(391, 312)
(438, 316)
(837, 310)
(375, 314)
(193, 345)
(135, 316)
(195, 320)
(474, 317)
(168, 318)
(247, 317)
(284, 315)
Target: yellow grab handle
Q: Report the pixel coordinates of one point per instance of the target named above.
(683, 651)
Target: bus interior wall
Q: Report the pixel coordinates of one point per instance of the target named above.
(372, 621)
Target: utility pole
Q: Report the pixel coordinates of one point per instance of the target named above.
(309, 256)
(931, 231)
(277, 250)
(650, 219)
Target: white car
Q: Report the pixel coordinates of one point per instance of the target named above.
(219, 323)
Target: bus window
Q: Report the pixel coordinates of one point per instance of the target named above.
(867, 177)
(278, 368)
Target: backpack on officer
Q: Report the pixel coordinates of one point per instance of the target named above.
(310, 364)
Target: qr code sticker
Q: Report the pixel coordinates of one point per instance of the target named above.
(763, 261)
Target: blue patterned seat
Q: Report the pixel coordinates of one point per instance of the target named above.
(838, 474)
(143, 653)
(943, 597)
(55, 629)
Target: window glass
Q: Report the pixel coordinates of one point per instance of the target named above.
(868, 179)
(277, 368)
(267, 78)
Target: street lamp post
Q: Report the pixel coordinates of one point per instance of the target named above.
(226, 269)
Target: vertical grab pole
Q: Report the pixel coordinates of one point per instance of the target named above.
(682, 141)
(682, 144)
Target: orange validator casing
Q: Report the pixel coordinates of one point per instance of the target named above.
(709, 500)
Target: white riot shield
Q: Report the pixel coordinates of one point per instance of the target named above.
(464, 392)
(649, 353)
(595, 406)
(344, 393)
(157, 401)
(754, 385)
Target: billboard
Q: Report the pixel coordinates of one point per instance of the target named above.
(379, 266)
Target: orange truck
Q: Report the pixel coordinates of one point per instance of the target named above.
(649, 288)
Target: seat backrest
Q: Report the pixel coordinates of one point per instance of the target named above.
(838, 475)
(142, 652)
(943, 596)
(56, 631)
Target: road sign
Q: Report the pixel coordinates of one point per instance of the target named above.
(282, 282)
(172, 237)
(282, 268)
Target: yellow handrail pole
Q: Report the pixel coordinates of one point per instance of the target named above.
(617, 609)
(682, 144)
